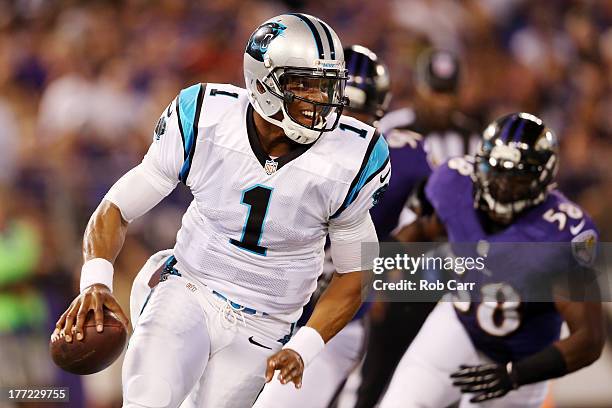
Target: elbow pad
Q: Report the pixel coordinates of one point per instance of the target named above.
(354, 247)
(136, 193)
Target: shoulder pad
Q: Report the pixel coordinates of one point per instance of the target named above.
(219, 99)
(559, 219)
(450, 186)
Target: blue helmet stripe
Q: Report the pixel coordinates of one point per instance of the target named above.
(518, 132)
(505, 130)
(363, 70)
(351, 64)
(332, 48)
(188, 108)
(314, 31)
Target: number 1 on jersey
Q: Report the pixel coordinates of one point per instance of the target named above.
(257, 199)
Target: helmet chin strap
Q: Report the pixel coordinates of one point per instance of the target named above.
(298, 133)
(293, 131)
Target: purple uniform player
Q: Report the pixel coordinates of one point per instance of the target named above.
(491, 342)
(511, 330)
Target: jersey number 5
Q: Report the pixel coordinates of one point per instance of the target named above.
(565, 210)
(257, 199)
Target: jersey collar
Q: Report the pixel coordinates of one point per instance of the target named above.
(259, 151)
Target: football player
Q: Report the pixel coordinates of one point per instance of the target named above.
(368, 91)
(433, 119)
(435, 110)
(273, 168)
(495, 345)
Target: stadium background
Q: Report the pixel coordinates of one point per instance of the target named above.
(83, 82)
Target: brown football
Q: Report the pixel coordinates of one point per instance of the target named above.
(96, 351)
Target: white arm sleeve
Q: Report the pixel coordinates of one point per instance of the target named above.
(143, 187)
(354, 243)
(135, 193)
(353, 246)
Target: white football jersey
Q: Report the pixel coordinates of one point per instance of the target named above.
(256, 227)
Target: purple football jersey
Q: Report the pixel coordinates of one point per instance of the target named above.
(409, 166)
(519, 262)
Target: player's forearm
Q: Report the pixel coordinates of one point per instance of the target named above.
(586, 340)
(580, 351)
(105, 233)
(423, 229)
(582, 347)
(413, 232)
(339, 303)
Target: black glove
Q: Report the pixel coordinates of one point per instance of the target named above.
(487, 381)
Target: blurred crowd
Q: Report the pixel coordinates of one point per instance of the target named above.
(82, 84)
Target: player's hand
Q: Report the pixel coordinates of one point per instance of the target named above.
(95, 298)
(289, 363)
(487, 381)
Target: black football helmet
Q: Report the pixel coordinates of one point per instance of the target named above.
(439, 70)
(368, 81)
(515, 166)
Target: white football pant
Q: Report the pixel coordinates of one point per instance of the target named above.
(422, 378)
(191, 348)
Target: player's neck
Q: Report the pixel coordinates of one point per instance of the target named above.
(272, 138)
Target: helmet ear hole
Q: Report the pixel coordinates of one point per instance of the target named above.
(260, 87)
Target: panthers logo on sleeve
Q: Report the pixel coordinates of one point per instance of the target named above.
(261, 39)
(162, 123)
(378, 194)
(160, 128)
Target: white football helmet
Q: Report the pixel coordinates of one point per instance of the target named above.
(288, 59)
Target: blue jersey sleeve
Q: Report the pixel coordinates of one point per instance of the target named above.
(188, 107)
(368, 185)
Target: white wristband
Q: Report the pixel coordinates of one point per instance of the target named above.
(307, 342)
(97, 270)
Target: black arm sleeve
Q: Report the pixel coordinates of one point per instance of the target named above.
(544, 365)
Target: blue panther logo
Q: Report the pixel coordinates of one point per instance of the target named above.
(378, 194)
(261, 39)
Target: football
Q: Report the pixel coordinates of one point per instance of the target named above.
(96, 351)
